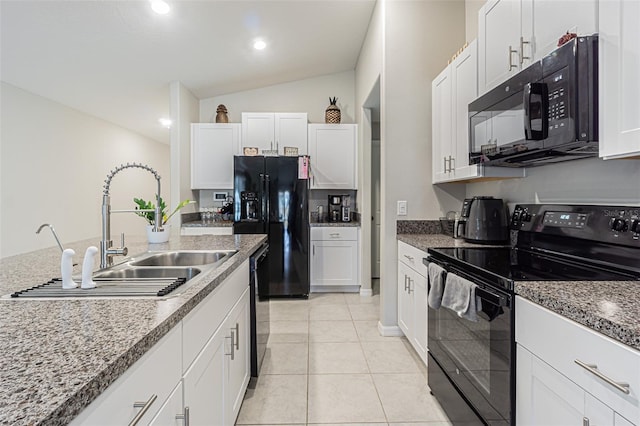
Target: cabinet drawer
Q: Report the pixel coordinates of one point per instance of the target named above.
(560, 342)
(338, 233)
(205, 319)
(156, 373)
(412, 257)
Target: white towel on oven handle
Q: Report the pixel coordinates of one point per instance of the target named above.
(436, 276)
(459, 295)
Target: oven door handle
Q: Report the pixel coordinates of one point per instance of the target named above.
(496, 299)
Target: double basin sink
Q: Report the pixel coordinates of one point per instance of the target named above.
(155, 274)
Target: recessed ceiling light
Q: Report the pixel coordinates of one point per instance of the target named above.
(259, 44)
(160, 7)
(165, 122)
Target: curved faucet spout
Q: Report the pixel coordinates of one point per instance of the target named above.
(44, 225)
(106, 250)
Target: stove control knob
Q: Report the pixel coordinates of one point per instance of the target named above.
(619, 224)
(635, 226)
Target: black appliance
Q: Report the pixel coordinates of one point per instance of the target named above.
(270, 199)
(335, 208)
(259, 312)
(483, 220)
(471, 369)
(546, 113)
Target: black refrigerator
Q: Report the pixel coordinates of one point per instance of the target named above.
(269, 198)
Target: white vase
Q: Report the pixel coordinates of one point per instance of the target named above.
(158, 237)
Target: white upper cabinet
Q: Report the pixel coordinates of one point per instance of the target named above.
(514, 33)
(452, 91)
(275, 131)
(333, 150)
(619, 79)
(212, 149)
(499, 30)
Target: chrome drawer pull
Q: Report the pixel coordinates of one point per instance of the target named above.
(335, 235)
(593, 369)
(411, 258)
(145, 407)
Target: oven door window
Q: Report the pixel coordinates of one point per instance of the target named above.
(476, 356)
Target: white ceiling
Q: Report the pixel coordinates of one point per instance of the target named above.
(115, 59)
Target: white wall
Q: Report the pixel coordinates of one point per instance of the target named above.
(54, 160)
(471, 18)
(309, 95)
(185, 109)
(592, 181)
(415, 51)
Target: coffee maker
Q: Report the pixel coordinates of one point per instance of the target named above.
(335, 208)
(346, 208)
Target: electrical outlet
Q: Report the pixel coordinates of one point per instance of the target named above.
(402, 208)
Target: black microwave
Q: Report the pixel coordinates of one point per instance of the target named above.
(546, 113)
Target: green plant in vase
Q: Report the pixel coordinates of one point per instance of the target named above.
(150, 216)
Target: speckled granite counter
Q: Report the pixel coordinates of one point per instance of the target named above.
(335, 224)
(216, 224)
(59, 355)
(611, 308)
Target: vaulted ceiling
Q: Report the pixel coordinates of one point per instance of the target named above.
(116, 59)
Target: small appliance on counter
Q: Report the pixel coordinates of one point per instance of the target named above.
(335, 208)
(483, 220)
(346, 208)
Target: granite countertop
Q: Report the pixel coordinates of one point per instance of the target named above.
(214, 224)
(609, 307)
(353, 223)
(59, 355)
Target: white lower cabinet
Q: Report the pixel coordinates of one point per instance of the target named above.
(198, 372)
(553, 389)
(334, 264)
(412, 297)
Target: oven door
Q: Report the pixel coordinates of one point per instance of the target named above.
(476, 357)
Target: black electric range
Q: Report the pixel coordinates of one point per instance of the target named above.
(472, 364)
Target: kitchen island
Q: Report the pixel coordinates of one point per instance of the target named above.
(59, 355)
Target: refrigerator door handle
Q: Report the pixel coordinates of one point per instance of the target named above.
(267, 196)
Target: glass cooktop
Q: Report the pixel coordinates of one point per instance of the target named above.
(508, 265)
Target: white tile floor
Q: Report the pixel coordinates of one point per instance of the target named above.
(326, 364)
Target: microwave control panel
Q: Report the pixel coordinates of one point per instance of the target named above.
(558, 96)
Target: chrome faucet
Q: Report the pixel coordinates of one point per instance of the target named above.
(106, 250)
(54, 234)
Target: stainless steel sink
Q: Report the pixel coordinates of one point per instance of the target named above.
(184, 258)
(148, 273)
(151, 275)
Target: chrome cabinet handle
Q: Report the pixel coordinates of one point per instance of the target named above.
(184, 416)
(411, 258)
(144, 408)
(511, 52)
(314, 249)
(405, 283)
(585, 421)
(233, 352)
(522, 57)
(593, 369)
(237, 336)
(409, 289)
(451, 160)
(445, 164)
(335, 235)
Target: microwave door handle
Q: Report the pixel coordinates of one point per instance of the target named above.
(539, 89)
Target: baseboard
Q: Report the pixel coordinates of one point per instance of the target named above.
(335, 288)
(389, 331)
(366, 292)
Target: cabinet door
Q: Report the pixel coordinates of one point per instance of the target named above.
(170, 412)
(499, 32)
(464, 85)
(212, 149)
(619, 67)
(239, 367)
(405, 301)
(258, 130)
(333, 151)
(544, 396)
(334, 263)
(291, 130)
(205, 381)
(544, 21)
(419, 297)
(442, 124)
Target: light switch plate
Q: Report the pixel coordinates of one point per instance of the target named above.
(402, 208)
